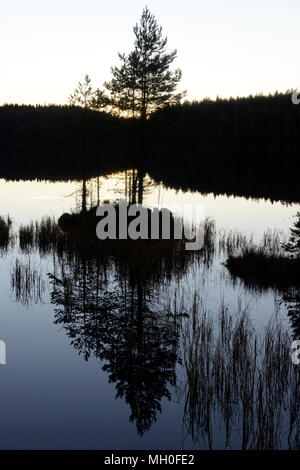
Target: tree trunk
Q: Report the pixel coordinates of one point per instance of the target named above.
(134, 184)
(84, 196)
(141, 175)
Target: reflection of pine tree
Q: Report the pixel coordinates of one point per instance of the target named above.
(291, 298)
(293, 246)
(113, 316)
(142, 360)
(77, 288)
(291, 295)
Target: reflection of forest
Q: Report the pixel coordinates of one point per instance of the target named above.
(134, 188)
(114, 301)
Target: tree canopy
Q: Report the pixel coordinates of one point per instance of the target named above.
(85, 96)
(144, 81)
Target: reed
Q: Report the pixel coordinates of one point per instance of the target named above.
(259, 268)
(26, 237)
(27, 283)
(240, 385)
(5, 232)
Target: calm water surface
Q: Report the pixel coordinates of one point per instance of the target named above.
(56, 393)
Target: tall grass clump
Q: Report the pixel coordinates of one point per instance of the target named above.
(27, 283)
(242, 390)
(47, 234)
(233, 241)
(5, 232)
(26, 237)
(267, 264)
(44, 236)
(259, 269)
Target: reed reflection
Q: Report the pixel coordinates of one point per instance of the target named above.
(114, 300)
(242, 389)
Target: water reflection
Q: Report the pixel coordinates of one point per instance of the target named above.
(118, 317)
(119, 302)
(110, 301)
(27, 283)
(134, 185)
(291, 298)
(6, 238)
(109, 298)
(242, 392)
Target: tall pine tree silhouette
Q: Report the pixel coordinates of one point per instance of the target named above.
(144, 82)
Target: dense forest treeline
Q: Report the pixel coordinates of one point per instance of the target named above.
(61, 142)
(244, 146)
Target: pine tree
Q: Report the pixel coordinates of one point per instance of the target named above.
(86, 97)
(144, 82)
(83, 95)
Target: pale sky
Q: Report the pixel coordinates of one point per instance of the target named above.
(225, 47)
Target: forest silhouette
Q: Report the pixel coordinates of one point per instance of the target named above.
(135, 305)
(245, 146)
(242, 146)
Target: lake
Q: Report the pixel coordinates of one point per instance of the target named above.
(97, 352)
